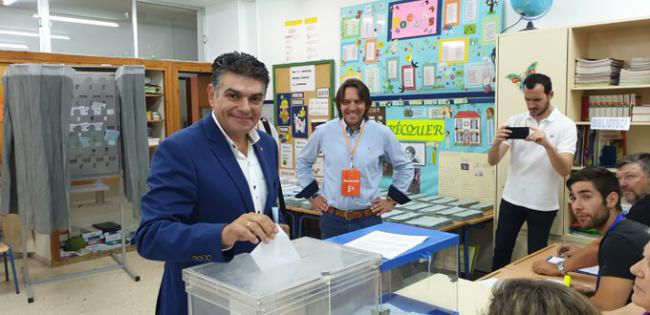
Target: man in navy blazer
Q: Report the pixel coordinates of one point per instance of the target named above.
(212, 185)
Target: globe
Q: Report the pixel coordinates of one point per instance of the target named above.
(531, 9)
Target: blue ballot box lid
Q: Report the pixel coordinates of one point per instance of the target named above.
(436, 241)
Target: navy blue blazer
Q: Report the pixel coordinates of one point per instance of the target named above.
(196, 188)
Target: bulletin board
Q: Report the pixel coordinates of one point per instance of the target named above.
(430, 68)
(303, 99)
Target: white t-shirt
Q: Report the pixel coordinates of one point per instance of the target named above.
(532, 181)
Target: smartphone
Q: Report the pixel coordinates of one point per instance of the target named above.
(518, 132)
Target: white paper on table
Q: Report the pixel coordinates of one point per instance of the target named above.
(278, 251)
(389, 245)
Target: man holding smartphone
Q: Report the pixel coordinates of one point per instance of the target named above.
(539, 160)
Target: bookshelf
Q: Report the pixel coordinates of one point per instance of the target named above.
(621, 40)
(155, 102)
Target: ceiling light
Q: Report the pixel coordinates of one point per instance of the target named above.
(30, 34)
(14, 46)
(8, 2)
(80, 21)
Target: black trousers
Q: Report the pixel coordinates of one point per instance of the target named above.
(511, 218)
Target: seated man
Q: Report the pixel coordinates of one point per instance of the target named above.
(633, 173)
(595, 201)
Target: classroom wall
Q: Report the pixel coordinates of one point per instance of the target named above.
(267, 39)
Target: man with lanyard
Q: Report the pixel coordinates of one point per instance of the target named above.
(354, 148)
(633, 173)
(595, 201)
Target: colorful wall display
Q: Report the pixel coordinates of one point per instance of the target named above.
(430, 68)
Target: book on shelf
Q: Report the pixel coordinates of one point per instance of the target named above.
(597, 71)
(637, 73)
(641, 113)
(613, 105)
(599, 147)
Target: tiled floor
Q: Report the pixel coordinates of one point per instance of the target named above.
(112, 292)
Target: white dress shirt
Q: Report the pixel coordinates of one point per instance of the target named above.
(250, 167)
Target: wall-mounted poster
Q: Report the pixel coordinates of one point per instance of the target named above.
(413, 18)
(299, 117)
(415, 152)
(282, 101)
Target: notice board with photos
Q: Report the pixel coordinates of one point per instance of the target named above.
(303, 98)
(430, 68)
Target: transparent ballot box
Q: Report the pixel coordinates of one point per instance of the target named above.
(327, 279)
(434, 261)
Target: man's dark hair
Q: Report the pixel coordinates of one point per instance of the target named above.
(362, 89)
(537, 78)
(643, 159)
(603, 180)
(239, 63)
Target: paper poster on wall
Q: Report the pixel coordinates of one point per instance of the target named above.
(453, 50)
(299, 118)
(350, 75)
(429, 75)
(299, 145)
(418, 130)
(294, 41)
(373, 79)
(284, 134)
(477, 74)
(323, 92)
(312, 39)
(471, 11)
(391, 68)
(474, 177)
(367, 26)
(377, 114)
(415, 152)
(318, 107)
(413, 18)
(467, 125)
(452, 12)
(350, 52)
(286, 155)
(303, 78)
(350, 28)
(490, 30)
(282, 110)
(415, 112)
(408, 77)
(371, 51)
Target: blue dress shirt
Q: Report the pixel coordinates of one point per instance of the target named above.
(378, 143)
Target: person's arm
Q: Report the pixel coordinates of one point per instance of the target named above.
(584, 257)
(612, 293)
(500, 146)
(402, 168)
(304, 171)
(616, 255)
(630, 309)
(561, 158)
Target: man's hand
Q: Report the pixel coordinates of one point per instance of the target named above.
(319, 203)
(249, 227)
(382, 205)
(538, 136)
(544, 267)
(567, 250)
(502, 135)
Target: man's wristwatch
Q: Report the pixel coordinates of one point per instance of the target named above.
(560, 267)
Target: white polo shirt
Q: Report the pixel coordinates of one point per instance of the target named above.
(250, 166)
(532, 181)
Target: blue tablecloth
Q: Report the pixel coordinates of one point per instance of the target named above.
(436, 241)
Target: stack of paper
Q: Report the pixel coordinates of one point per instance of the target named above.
(389, 245)
(598, 71)
(638, 73)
